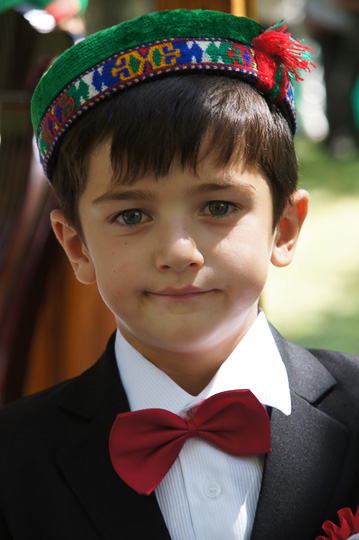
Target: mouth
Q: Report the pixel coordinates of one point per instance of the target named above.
(182, 293)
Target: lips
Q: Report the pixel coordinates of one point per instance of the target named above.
(182, 292)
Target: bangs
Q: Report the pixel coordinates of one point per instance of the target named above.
(190, 118)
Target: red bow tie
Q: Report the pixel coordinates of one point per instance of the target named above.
(145, 444)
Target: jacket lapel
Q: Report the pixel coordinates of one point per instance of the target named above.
(94, 402)
(297, 481)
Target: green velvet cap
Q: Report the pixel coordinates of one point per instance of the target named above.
(152, 45)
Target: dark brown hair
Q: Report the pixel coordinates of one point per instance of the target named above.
(182, 115)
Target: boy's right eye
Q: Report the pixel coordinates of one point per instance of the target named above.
(130, 217)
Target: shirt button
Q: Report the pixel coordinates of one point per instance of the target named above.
(212, 490)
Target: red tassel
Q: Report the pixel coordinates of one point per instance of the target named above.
(279, 45)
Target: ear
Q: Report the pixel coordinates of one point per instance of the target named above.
(74, 248)
(288, 228)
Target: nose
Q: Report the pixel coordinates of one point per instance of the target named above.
(178, 251)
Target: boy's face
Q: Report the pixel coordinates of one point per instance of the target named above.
(181, 261)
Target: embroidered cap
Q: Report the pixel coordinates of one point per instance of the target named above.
(158, 44)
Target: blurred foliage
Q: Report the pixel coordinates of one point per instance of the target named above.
(315, 300)
(319, 170)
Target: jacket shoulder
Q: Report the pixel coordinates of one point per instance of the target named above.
(42, 407)
(321, 376)
(343, 366)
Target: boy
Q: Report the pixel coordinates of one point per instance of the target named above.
(169, 143)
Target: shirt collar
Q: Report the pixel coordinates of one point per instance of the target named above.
(255, 364)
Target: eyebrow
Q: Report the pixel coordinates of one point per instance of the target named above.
(128, 194)
(216, 186)
(140, 195)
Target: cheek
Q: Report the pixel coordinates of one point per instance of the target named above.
(246, 246)
(112, 257)
(118, 273)
(245, 256)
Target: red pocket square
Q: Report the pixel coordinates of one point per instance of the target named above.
(347, 530)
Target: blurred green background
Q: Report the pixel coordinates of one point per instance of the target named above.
(315, 301)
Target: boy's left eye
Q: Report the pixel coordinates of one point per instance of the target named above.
(132, 217)
(218, 208)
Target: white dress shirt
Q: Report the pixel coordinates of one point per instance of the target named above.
(207, 493)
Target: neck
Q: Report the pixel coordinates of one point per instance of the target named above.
(191, 369)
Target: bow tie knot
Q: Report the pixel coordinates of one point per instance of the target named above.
(192, 428)
(144, 444)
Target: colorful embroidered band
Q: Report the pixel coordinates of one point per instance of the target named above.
(188, 41)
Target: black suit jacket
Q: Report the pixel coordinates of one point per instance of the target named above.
(57, 481)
